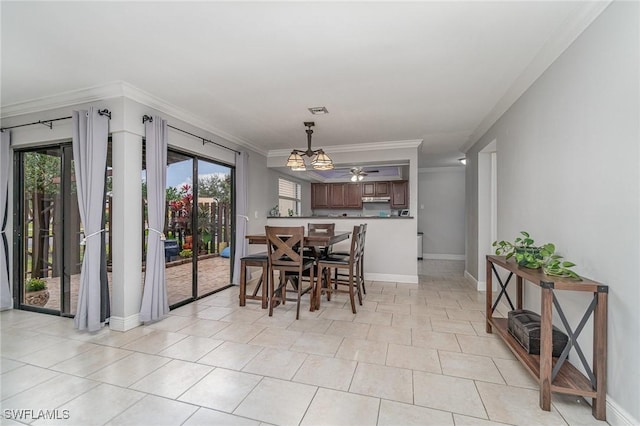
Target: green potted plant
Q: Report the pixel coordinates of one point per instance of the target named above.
(36, 292)
(186, 253)
(528, 255)
(554, 265)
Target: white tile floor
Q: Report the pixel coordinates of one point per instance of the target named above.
(414, 354)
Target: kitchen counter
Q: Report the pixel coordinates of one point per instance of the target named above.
(390, 245)
(340, 217)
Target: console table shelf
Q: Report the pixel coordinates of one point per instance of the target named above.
(563, 378)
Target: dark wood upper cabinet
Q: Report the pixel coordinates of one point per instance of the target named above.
(369, 189)
(399, 194)
(376, 189)
(319, 196)
(383, 189)
(336, 196)
(353, 196)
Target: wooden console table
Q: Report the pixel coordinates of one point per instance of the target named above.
(555, 374)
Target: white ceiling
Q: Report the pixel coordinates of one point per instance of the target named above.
(437, 71)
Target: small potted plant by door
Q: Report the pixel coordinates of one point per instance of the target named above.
(36, 292)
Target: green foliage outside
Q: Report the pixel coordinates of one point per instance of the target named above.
(186, 253)
(40, 173)
(215, 186)
(35, 284)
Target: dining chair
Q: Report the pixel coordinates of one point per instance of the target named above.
(260, 260)
(360, 266)
(319, 227)
(284, 245)
(351, 278)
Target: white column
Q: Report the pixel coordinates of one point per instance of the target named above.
(127, 231)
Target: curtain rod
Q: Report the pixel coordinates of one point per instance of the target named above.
(148, 118)
(49, 123)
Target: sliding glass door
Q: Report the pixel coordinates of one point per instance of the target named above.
(47, 251)
(198, 227)
(214, 226)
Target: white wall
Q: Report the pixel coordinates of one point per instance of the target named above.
(568, 172)
(388, 257)
(441, 212)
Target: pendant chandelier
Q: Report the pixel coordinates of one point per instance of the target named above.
(319, 160)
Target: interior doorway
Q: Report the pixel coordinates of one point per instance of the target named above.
(487, 206)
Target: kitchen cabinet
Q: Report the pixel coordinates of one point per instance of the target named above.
(336, 196)
(319, 196)
(399, 194)
(376, 189)
(353, 196)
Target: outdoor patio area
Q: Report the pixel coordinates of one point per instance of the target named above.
(213, 274)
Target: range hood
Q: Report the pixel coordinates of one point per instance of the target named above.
(376, 199)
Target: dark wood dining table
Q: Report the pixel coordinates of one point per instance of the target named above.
(311, 239)
(314, 240)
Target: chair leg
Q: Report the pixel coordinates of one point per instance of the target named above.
(265, 286)
(271, 294)
(283, 287)
(351, 295)
(312, 293)
(327, 282)
(358, 283)
(243, 284)
(299, 297)
(364, 290)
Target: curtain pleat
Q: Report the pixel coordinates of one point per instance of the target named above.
(155, 303)
(6, 301)
(242, 219)
(90, 135)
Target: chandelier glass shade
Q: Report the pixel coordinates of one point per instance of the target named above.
(319, 160)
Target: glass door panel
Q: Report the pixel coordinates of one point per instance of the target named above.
(213, 226)
(179, 232)
(41, 243)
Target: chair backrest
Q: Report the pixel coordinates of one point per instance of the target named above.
(363, 232)
(356, 238)
(284, 245)
(322, 227)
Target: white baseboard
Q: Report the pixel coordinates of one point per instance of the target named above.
(124, 324)
(470, 278)
(618, 416)
(436, 256)
(480, 285)
(391, 278)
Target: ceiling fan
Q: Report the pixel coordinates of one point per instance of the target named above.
(358, 173)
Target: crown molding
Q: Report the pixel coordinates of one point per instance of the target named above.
(548, 54)
(64, 99)
(120, 89)
(459, 168)
(373, 146)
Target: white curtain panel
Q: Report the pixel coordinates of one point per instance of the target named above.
(155, 303)
(242, 246)
(90, 135)
(6, 301)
